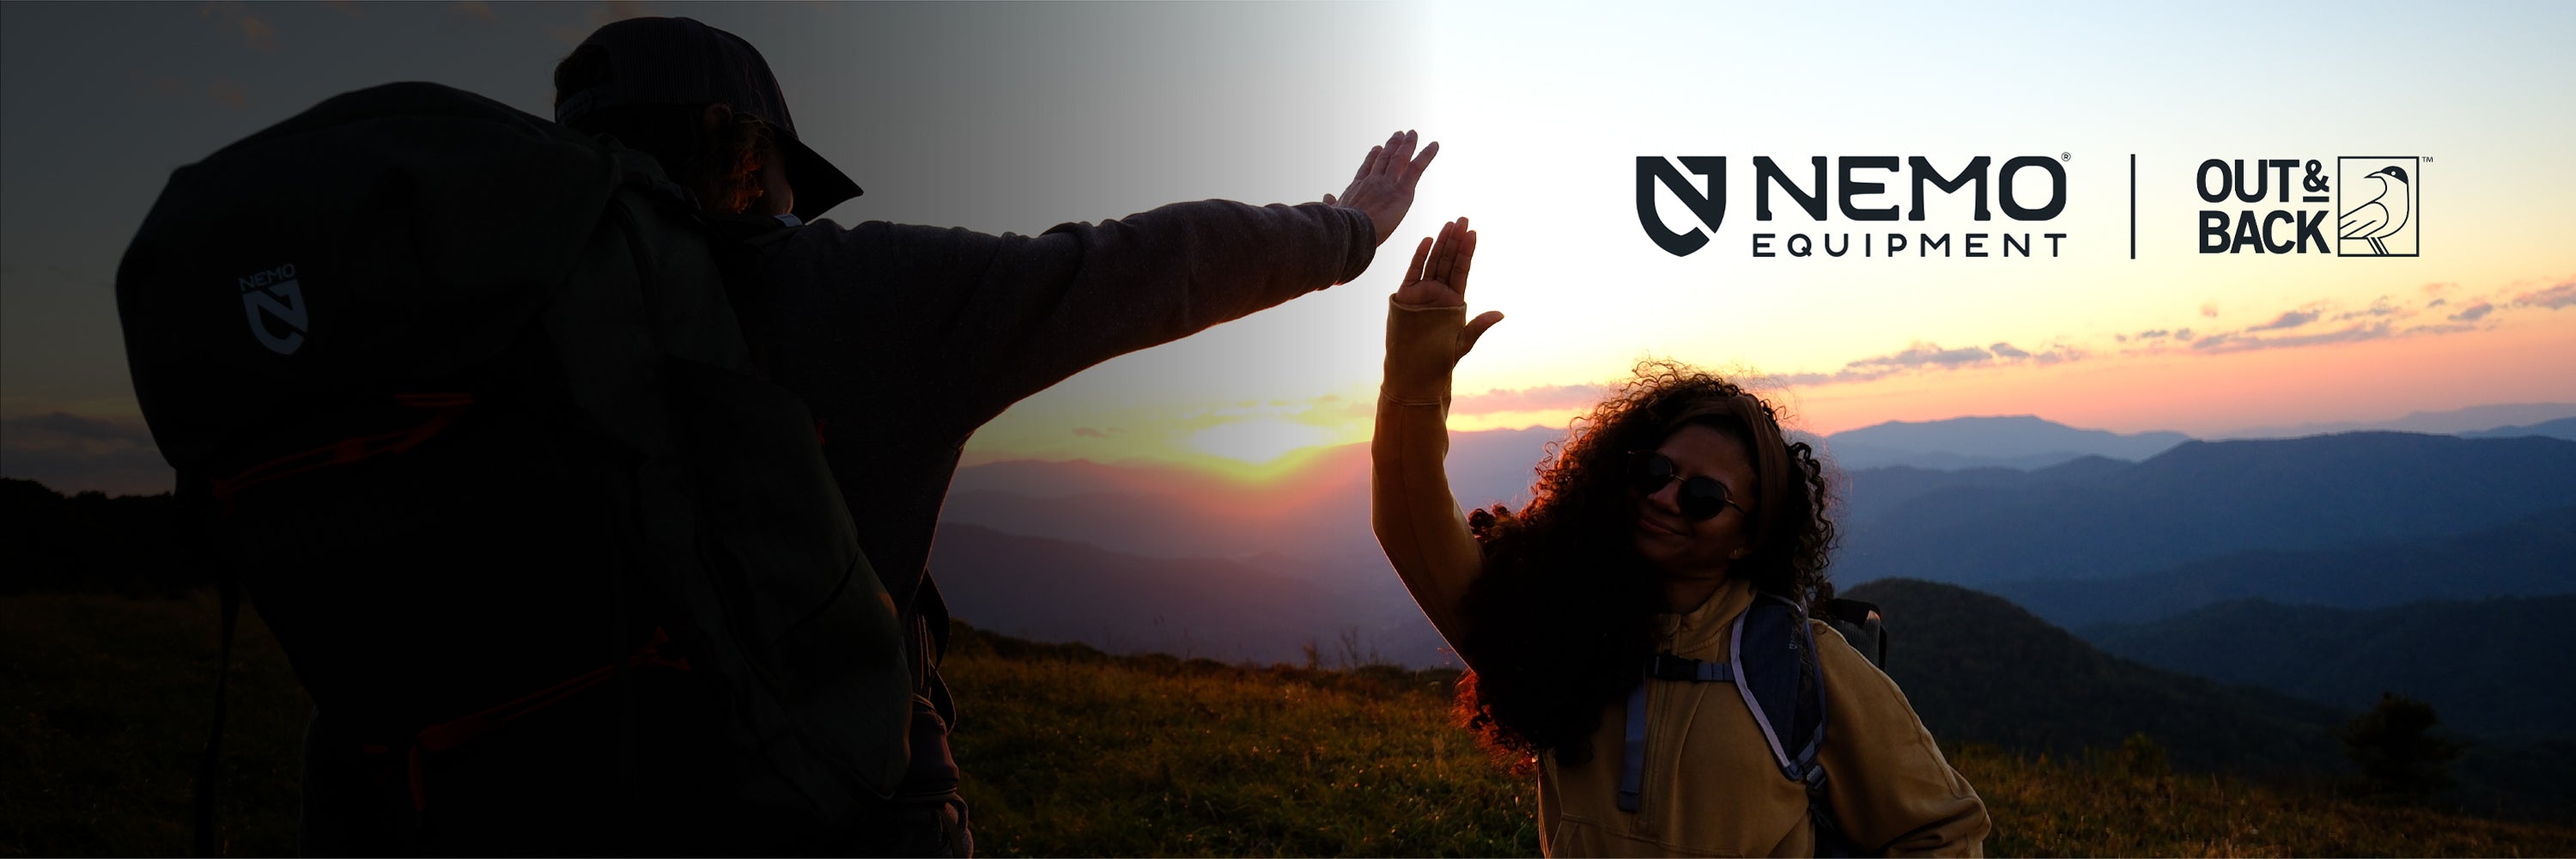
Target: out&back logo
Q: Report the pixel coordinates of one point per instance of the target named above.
(2369, 206)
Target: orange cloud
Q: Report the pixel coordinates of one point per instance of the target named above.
(2214, 392)
(236, 18)
(2556, 297)
(1532, 399)
(2287, 320)
(229, 93)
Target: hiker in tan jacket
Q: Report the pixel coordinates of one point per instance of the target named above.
(1660, 520)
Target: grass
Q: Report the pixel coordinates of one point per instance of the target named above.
(2088, 808)
(1067, 752)
(104, 706)
(104, 703)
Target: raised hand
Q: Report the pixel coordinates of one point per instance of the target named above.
(1438, 278)
(1384, 186)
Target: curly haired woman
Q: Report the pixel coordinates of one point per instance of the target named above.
(1663, 517)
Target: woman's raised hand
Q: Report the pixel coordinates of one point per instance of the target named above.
(1438, 278)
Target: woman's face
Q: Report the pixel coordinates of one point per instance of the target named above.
(1672, 540)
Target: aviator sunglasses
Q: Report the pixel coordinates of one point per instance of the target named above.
(1702, 498)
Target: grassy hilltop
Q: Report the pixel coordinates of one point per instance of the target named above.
(104, 701)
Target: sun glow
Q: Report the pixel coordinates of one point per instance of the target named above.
(1258, 441)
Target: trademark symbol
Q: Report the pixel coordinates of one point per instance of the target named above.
(2428, 159)
(2065, 156)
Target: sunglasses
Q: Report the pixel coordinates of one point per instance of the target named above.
(1702, 498)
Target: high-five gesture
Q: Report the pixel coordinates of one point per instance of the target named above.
(1384, 186)
(1438, 278)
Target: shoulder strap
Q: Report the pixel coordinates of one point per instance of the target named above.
(207, 769)
(193, 535)
(1777, 676)
(1773, 650)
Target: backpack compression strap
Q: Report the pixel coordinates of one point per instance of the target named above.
(1664, 666)
(1800, 766)
(209, 767)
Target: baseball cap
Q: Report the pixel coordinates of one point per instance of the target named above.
(682, 61)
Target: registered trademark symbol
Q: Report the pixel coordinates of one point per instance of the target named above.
(2065, 156)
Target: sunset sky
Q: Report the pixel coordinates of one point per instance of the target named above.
(1019, 117)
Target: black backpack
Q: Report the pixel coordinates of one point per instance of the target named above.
(1772, 663)
(457, 397)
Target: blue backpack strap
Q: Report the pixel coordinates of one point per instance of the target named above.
(1632, 767)
(1663, 666)
(1773, 652)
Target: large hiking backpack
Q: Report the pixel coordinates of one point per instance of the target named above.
(1773, 664)
(457, 396)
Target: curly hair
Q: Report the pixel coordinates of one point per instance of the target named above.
(1560, 619)
(720, 165)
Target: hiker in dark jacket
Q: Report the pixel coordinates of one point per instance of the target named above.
(903, 339)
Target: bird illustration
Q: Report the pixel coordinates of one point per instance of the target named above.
(2384, 215)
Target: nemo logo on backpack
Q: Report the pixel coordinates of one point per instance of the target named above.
(274, 294)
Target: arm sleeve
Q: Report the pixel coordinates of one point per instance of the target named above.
(1890, 788)
(981, 321)
(1410, 505)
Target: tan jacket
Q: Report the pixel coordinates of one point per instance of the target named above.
(1711, 787)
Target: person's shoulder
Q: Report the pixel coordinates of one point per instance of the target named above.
(827, 226)
(1835, 653)
(824, 235)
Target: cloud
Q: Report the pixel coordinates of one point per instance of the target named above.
(2287, 320)
(258, 33)
(1093, 432)
(2440, 328)
(2380, 306)
(1533, 399)
(2556, 297)
(237, 19)
(71, 453)
(128, 431)
(2060, 355)
(2219, 344)
(1926, 356)
(1922, 354)
(229, 93)
(2315, 323)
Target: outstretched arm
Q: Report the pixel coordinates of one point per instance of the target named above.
(971, 323)
(1415, 516)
